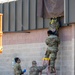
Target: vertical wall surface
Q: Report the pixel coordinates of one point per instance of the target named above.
(67, 50)
(31, 46)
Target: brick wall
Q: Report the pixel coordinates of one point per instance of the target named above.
(31, 46)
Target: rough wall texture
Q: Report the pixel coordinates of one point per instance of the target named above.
(31, 46)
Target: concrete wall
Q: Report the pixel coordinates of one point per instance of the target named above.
(31, 46)
(67, 50)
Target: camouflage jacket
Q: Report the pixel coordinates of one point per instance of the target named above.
(52, 41)
(17, 69)
(35, 70)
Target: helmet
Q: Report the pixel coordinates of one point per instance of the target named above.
(34, 62)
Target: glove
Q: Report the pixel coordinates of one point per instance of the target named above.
(24, 70)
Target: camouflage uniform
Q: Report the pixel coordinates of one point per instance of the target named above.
(34, 70)
(54, 25)
(17, 69)
(52, 42)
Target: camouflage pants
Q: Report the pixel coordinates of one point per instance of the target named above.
(52, 56)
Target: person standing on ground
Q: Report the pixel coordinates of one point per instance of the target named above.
(35, 70)
(17, 67)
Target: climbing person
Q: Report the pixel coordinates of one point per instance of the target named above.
(35, 70)
(54, 25)
(52, 43)
(17, 67)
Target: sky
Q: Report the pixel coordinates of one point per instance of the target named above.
(2, 1)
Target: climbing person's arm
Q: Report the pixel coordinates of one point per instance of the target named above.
(47, 41)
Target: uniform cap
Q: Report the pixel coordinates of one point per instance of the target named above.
(34, 62)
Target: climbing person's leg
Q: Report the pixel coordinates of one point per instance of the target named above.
(52, 62)
(52, 66)
(47, 54)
